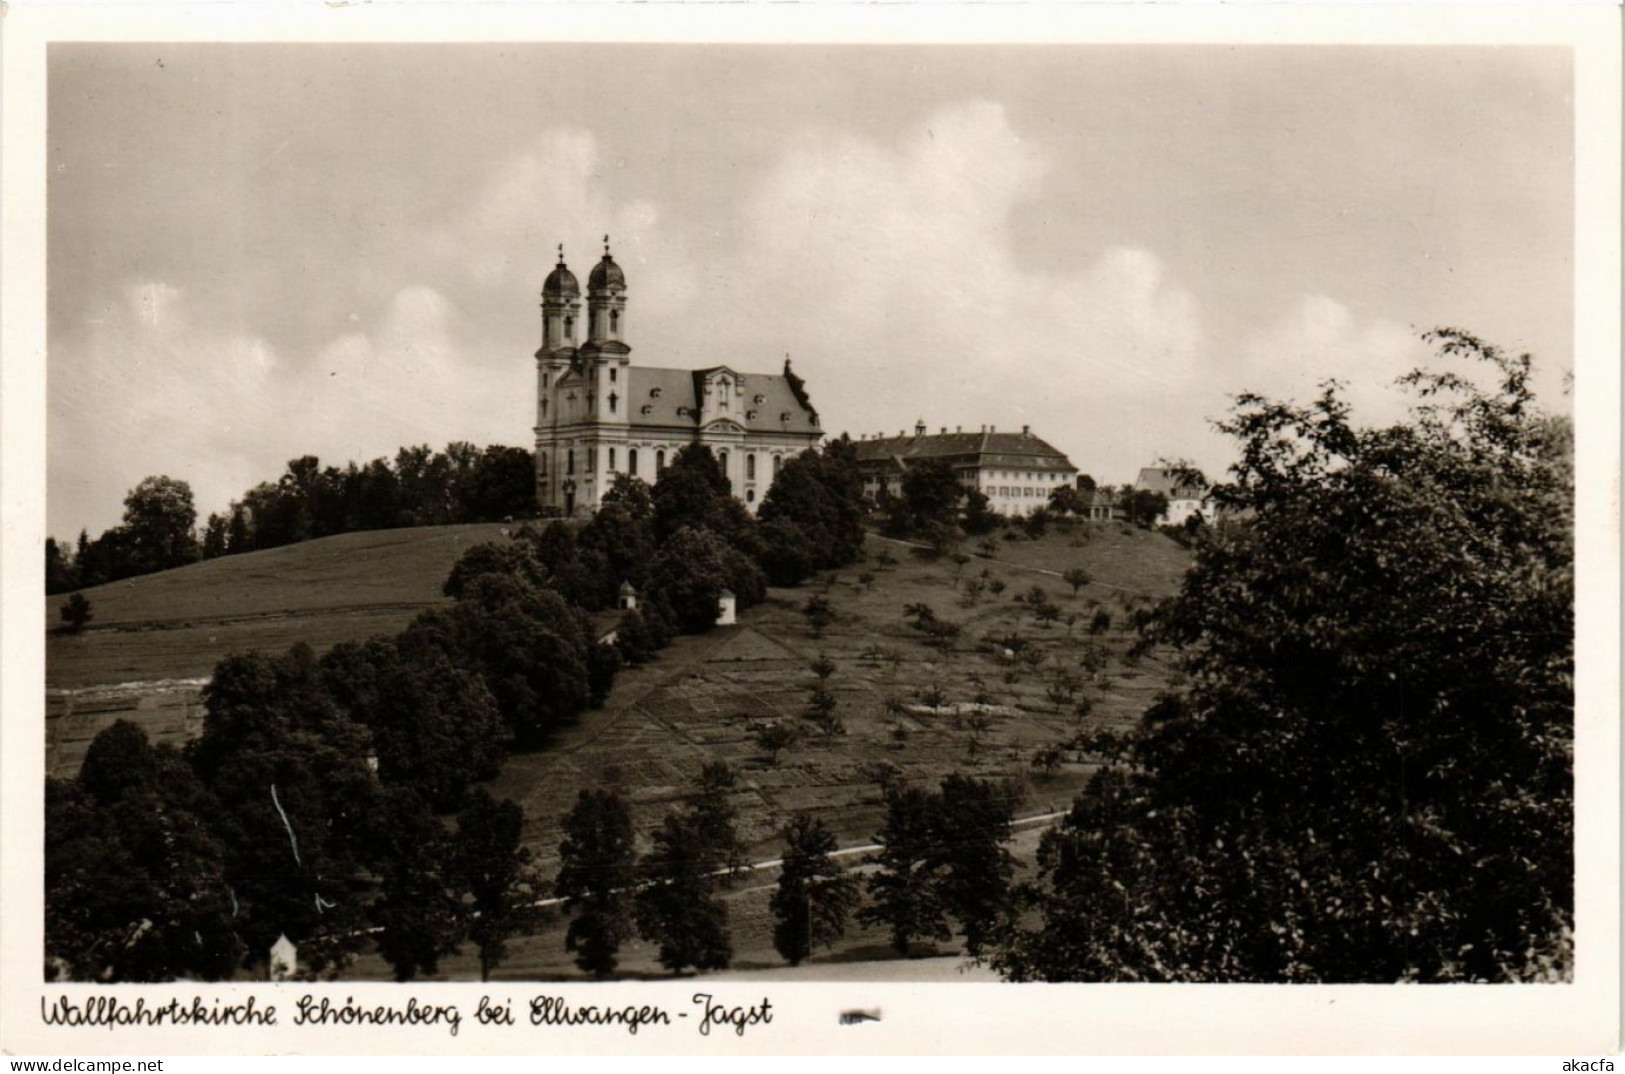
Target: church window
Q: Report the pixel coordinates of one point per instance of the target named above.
(660, 461)
(612, 460)
(722, 460)
(569, 328)
(750, 467)
(776, 461)
(750, 495)
(544, 408)
(541, 463)
(544, 380)
(612, 372)
(570, 462)
(592, 458)
(614, 320)
(632, 461)
(612, 398)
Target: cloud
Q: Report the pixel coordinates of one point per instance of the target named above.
(150, 391)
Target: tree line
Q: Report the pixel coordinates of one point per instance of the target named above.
(420, 487)
(943, 858)
(310, 805)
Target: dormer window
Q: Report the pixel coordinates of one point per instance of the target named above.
(647, 409)
(784, 416)
(654, 393)
(760, 399)
(750, 415)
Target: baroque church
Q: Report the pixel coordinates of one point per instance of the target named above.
(599, 415)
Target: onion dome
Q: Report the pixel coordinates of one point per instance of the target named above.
(561, 282)
(606, 274)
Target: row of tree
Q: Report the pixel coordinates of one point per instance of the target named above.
(943, 856)
(421, 487)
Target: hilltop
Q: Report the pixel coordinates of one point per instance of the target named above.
(177, 624)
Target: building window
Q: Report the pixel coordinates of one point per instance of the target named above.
(660, 461)
(612, 450)
(592, 459)
(722, 460)
(544, 380)
(750, 495)
(569, 328)
(570, 462)
(612, 372)
(750, 467)
(541, 464)
(632, 461)
(777, 459)
(544, 408)
(612, 398)
(614, 321)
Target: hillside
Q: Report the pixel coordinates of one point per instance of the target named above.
(178, 624)
(704, 698)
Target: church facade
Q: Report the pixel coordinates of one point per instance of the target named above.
(599, 415)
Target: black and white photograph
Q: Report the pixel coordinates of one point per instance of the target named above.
(607, 513)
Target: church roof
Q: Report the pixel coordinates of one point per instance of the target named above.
(561, 282)
(672, 397)
(606, 274)
(984, 449)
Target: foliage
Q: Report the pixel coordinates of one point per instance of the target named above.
(819, 614)
(903, 894)
(677, 907)
(715, 818)
(1077, 578)
(814, 897)
(135, 882)
(597, 875)
(418, 913)
(1369, 774)
(814, 509)
(488, 862)
(689, 573)
(76, 612)
(931, 497)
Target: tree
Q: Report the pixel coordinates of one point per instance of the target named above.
(597, 878)
(814, 897)
(821, 704)
(715, 818)
(774, 738)
(677, 907)
(418, 913)
(689, 573)
(1077, 578)
(692, 492)
(975, 868)
(60, 575)
(819, 614)
(1144, 507)
(76, 612)
(159, 516)
(490, 865)
(135, 881)
(1368, 773)
(931, 497)
(813, 513)
(903, 894)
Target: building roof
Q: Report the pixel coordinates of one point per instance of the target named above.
(1161, 479)
(671, 397)
(561, 282)
(985, 449)
(606, 274)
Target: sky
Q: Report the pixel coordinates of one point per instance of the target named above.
(257, 252)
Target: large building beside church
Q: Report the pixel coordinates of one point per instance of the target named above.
(1015, 471)
(599, 415)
